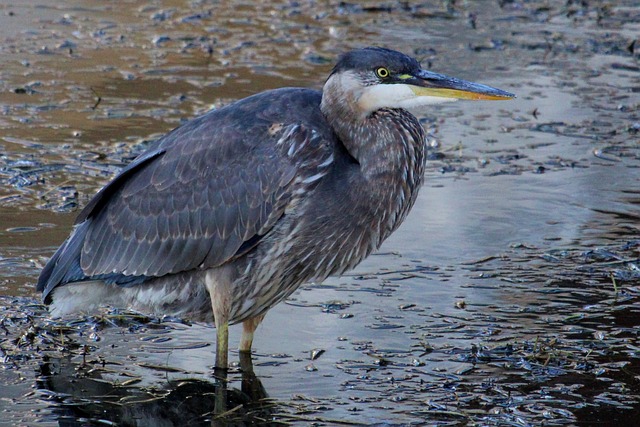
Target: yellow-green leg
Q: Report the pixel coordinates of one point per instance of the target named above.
(222, 344)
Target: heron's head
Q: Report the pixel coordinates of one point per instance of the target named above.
(373, 78)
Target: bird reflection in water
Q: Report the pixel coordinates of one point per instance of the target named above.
(79, 394)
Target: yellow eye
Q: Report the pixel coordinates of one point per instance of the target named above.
(382, 72)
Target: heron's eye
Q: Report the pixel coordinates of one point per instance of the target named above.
(382, 72)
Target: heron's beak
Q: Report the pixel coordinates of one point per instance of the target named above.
(427, 83)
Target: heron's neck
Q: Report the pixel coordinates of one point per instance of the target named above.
(383, 142)
(389, 145)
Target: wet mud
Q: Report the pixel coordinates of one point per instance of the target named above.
(510, 297)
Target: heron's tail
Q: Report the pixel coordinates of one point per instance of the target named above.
(64, 265)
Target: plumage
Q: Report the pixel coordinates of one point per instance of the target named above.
(240, 206)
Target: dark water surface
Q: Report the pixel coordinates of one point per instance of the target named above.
(510, 297)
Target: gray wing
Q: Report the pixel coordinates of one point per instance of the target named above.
(195, 206)
(206, 193)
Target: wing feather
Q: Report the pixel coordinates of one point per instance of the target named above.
(204, 193)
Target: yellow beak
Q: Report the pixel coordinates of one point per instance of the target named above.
(427, 83)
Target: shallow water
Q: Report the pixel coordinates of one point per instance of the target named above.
(509, 297)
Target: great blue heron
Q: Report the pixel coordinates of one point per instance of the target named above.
(227, 215)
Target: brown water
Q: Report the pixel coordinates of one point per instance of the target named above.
(509, 297)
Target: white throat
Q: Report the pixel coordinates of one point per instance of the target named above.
(396, 96)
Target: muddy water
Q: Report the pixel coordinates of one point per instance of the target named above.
(509, 297)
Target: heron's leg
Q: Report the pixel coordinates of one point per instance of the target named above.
(246, 363)
(249, 326)
(222, 344)
(218, 286)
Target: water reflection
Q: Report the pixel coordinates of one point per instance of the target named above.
(80, 394)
